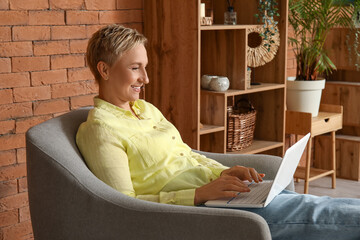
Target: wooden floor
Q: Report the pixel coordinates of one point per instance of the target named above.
(322, 187)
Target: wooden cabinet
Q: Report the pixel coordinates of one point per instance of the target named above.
(180, 51)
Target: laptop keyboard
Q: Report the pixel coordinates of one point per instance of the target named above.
(257, 195)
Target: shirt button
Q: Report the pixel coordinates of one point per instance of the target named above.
(181, 154)
(154, 127)
(173, 137)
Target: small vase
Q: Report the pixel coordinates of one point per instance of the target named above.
(230, 17)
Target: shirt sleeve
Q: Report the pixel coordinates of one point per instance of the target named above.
(213, 165)
(107, 159)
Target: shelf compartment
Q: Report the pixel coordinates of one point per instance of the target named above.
(211, 129)
(255, 88)
(259, 146)
(228, 27)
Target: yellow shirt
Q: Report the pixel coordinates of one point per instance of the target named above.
(143, 158)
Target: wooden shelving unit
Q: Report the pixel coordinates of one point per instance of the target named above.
(181, 51)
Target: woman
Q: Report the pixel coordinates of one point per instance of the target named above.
(128, 144)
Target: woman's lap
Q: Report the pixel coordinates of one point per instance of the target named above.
(298, 216)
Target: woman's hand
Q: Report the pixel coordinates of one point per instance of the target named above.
(244, 173)
(224, 187)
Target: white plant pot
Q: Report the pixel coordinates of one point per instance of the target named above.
(304, 96)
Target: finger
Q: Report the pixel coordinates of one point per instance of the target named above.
(234, 180)
(261, 175)
(254, 175)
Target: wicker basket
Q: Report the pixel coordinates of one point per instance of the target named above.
(241, 126)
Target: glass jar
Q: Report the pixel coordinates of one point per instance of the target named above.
(230, 17)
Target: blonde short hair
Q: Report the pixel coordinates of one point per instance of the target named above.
(109, 43)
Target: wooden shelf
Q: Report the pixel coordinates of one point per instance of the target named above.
(228, 27)
(255, 88)
(219, 50)
(315, 173)
(259, 146)
(211, 129)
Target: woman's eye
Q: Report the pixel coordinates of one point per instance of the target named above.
(135, 68)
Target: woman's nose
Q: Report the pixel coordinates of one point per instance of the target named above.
(144, 77)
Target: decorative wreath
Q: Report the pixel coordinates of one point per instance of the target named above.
(260, 55)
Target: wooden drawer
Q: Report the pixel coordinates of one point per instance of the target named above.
(326, 122)
(329, 119)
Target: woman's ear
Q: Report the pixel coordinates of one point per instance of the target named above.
(103, 69)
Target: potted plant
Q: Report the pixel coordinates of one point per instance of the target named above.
(312, 20)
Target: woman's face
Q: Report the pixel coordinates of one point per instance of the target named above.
(126, 77)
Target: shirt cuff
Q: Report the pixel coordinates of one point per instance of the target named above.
(218, 171)
(185, 197)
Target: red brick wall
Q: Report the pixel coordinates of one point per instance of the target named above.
(43, 74)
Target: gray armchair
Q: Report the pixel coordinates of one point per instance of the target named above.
(68, 202)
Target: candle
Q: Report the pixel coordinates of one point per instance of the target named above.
(202, 12)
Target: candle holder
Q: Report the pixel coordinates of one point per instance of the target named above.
(206, 15)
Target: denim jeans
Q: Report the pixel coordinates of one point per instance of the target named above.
(301, 216)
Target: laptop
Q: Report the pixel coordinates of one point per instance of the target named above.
(263, 193)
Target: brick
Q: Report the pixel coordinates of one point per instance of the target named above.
(78, 46)
(23, 184)
(126, 4)
(7, 127)
(68, 32)
(92, 87)
(21, 33)
(67, 61)
(15, 110)
(29, 5)
(9, 80)
(14, 201)
(51, 47)
(109, 17)
(51, 106)
(7, 158)
(91, 29)
(23, 64)
(12, 172)
(46, 18)
(12, 49)
(28, 94)
(82, 17)
(4, 4)
(8, 188)
(21, 155)
(66, 4)
(24, 213)
(6, 96)
(5, 65)
(82, 101)
(9, 218)
(79, 74)
(5, 34)
(21, 231)
(48, 77)
(22, 125)
(68, 89)
(12, 141)
(100, 5)
(14, 18)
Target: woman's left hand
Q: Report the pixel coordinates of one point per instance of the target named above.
(244, 173)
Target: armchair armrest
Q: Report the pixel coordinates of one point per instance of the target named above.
(267, 164)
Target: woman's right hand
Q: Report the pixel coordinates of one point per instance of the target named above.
(222, 187)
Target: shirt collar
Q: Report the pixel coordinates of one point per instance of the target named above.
(119, 112)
